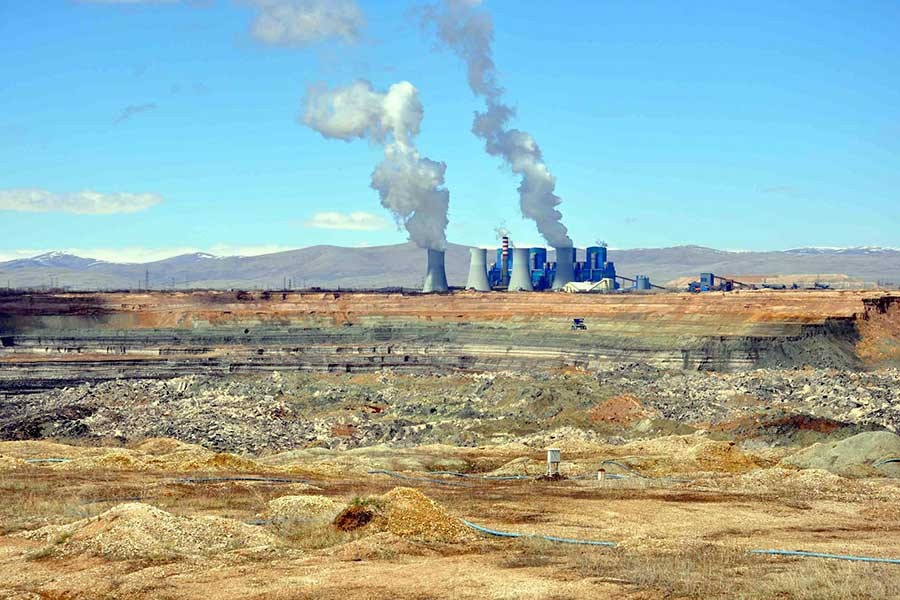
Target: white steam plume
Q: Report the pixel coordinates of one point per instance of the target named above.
(469, 32)
(411, 186)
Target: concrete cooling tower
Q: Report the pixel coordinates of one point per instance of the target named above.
(478, 271)
(435, 276)
(520, 280)
(565, 267)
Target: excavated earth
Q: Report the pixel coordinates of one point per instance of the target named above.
(51, 340)
(339, 445)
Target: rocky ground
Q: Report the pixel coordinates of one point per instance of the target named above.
(283, 410)
(287, 485)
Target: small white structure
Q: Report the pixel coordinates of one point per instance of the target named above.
(576, 287)
(553, 462)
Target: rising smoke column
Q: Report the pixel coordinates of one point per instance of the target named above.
(410, 185)
(469, 32)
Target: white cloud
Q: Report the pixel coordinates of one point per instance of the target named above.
(82, 203)
(137, 254)
(305, 22)
(355, 221)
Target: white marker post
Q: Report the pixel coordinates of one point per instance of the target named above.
(553, 462)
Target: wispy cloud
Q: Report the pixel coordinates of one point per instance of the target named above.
(305, 22)
(355, 221)
(82, 203)
(134, 109)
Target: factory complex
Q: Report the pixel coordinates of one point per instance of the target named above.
(529, 269)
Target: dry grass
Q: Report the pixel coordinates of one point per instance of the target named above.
(311, 535)
(720, 572)
(713, 565)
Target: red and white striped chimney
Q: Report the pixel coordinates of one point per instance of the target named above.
(504, 261)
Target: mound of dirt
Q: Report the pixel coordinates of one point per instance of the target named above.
(216, 462)
(687, 453)
(622, 410)
(140, 531)
(164, 446)
(568, 439)
(112, 460)
(721, 456)
(42, 449)
(405, 513)
(410, 514)
(520, 466)
(806, 484)
(8, 463)
(302, 508)
(851, 457)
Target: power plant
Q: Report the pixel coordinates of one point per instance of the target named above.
(528, 269)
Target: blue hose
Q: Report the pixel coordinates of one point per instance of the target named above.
(871, 559)
(886, 461)
(548, 538)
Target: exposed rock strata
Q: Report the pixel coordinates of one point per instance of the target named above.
(50, 340)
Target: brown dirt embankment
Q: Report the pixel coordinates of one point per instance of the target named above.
(325, 331)
(189, 309)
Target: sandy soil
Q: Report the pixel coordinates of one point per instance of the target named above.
(684, 537)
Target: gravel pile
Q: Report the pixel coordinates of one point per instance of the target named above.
(139, 531)
(855, 456)
(302, 508)
(807, 484)
(410, 514)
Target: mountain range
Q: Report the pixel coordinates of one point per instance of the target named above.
(403, 265)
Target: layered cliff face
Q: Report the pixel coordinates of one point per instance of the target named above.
(51, 339)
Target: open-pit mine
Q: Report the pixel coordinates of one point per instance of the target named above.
(325, 444)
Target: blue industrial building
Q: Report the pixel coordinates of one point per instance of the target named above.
(594, 268)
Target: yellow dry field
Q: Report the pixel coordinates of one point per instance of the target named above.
(163, 519)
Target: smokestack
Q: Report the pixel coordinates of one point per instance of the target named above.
(521, 273)
(504, 261)
(435, 276)
(565, 267)
(478, 271)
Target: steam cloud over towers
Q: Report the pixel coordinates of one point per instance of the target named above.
(468, 32)
(410, 185)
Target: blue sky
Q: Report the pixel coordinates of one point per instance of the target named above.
(736, 125)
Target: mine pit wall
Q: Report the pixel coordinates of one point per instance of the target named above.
(52, 340)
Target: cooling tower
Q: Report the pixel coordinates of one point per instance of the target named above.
(435, 276)
(565, 267)
(478, 271)
(520, 280)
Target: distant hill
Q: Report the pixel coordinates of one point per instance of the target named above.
(404, 265)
